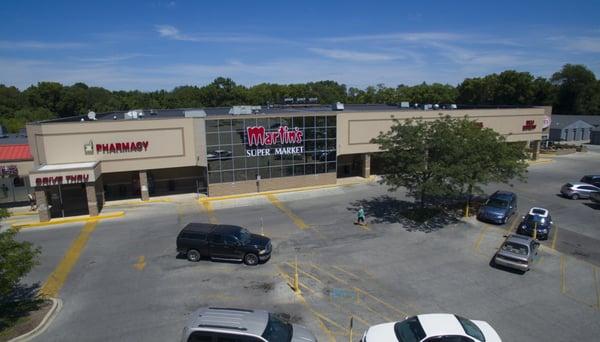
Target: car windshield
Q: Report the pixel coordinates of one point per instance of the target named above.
(515, 248)
(244, 236)
(277, 330)
(496, 203)
(535, 219)
(409, 330)
(471, 329)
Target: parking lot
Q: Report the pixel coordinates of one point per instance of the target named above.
(127, 283)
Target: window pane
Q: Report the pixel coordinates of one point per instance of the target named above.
(331, 167)
(239, 163)
(239, 150)
(237, 125)
(227, 176)
(225, 138)
(331, 156)
(264, 161)
(212, 139)
(331, 132)
(288, 171)
(310, 157)
(286, 121)
(274, 123)
(212, 126)
(227, 164)
(322, 156)
(309, 145)
(309, 121)
(321, 168)
(309, 134)
(331, 119)
(225, 125)
(251, 162)
(262, 122)
(321, 121)
(331, 144)
(238, 137)
(321, 145)
(309, 169)
(298, 121)
(214, 177)
(299, 170)
(240, 175)
(214, 165)
(276, 172)
(264, 173)
(287, 159)
(251, 174)
(320, 133)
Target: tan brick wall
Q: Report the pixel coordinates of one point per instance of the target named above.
(223, 189)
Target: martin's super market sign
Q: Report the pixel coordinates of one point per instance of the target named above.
(259, 137)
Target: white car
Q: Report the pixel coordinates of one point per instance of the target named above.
(432, 328)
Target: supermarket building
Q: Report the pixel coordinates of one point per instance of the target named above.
(81, 162)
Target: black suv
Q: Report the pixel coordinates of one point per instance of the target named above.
(591, 179)
(197, 240)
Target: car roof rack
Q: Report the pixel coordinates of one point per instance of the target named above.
(221, 327)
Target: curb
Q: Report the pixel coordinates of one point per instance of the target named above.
(161, 200)
(68, 220)
(282, 191)
(44, 324)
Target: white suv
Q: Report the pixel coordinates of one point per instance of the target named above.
(241, 325)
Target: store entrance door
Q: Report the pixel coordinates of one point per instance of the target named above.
(67, 200)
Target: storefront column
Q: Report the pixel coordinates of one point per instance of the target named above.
(536, 149)
(366, 165)
(92, 200)
(144, 185)
(42, 204)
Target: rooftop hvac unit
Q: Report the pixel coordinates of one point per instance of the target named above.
(313, 100)
(194, 113)
(91, 115)
(427, 107)
(436, 106)
(244, 110)
(288, 100)
(300, 100)
(404, 104)
(453, 106)
(337, 106)
(131, 115)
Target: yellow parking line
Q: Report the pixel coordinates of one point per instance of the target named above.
(563, 267)
(513, 224)
(140, 264)
(339, 268)
(480, 238)
(56, 280)
(209, 212)
(305, 273)
(362, 291)
(554, 237)
(297, 220)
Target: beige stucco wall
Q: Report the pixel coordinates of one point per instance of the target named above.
(171, 143)
(355, 130)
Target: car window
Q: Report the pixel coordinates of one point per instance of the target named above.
(449, 339)
(216, 238)
(588, 188)
(409, 330)
(230, 240)
(516, 248)
(277, 330)
(235, 338)
(200, 336)
(497, 203)
(470, 328)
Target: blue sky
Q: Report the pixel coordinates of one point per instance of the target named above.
(151, 45)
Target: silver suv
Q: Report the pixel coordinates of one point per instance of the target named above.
(241, 325)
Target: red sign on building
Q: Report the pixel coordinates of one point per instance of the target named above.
(529, 125)
(258, 136)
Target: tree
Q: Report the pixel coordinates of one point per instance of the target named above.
(414, 157)
(446, 156)
(16, 259)
(574, 83)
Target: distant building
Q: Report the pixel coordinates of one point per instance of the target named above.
(575, 128)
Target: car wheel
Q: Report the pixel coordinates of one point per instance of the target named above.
(575, 197)
(193, 255)
(251, 259)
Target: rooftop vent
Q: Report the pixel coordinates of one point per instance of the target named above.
(194, 113)
(91, 115)
(244, 110)
(133, 114)
(404, 104)
(338, 106)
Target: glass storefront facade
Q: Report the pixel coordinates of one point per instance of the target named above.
(275, 150)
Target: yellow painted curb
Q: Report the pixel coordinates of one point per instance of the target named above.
(275, 192)
(29, 213)
(84, 218)
(162, 200)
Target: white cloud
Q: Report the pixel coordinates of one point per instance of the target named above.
(396, 37)
(353, 56)
(171, 32)
(32, 44)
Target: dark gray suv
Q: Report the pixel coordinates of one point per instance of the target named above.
(499, 207)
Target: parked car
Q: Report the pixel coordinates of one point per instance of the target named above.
(432, 327)
(591, 179)
(499, 207)
(242, 325)
(595, 197)
(197, 240)
(517, 252)
(578, 190)
(536, 217)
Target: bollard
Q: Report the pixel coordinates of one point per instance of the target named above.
(296, 281)
(351, 324)
(467, 209)
(535, 231)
